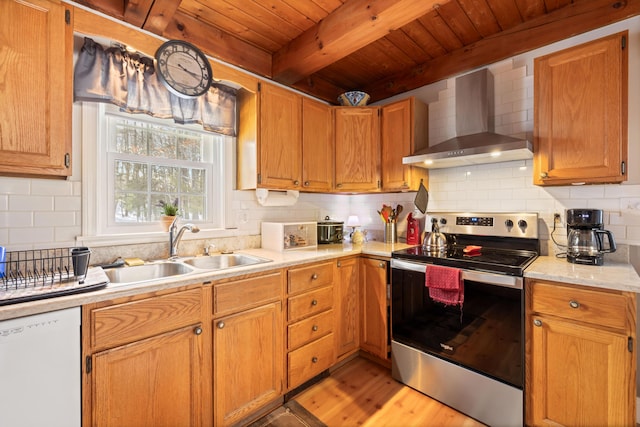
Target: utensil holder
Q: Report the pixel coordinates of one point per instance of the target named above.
(390, 232)
(80, 259)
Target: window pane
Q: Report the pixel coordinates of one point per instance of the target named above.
(163, 143)
(164, 179)
(156, 210)
(130, 176)
(131, 207)
(194, 208)
(190, 148)
(193, 180)
(130, 138)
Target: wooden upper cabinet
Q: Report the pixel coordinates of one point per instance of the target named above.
(357, 149)
(36, 70)
(317, 146)
(580, 108)
(404, 130)
(280, 138)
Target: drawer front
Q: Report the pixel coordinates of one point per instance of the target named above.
(124, 323)
(310, 303)
(305, 278)
(242, 294)
(308, 361)
(605, 308)
(307, 330)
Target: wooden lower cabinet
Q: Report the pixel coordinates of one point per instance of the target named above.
(310, 337)
(145, 361)
(347, 291)
(374, 331)
(248, 346)
(581, 363)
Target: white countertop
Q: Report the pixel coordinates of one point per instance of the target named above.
(279, 260)
(611, 275)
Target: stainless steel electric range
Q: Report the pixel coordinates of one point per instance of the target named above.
(469, 356)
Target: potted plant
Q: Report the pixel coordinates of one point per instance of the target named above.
(169, 212)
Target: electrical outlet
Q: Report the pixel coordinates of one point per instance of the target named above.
(557, 218)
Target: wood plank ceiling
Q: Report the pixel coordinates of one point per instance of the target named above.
(384, 47)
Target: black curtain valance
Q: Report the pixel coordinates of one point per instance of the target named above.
(129, 81)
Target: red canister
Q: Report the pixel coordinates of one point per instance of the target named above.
(413, 230)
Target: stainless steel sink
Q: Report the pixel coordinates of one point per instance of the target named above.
(219, 262)
(144, 273)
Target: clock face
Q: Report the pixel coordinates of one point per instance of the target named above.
(183, 69)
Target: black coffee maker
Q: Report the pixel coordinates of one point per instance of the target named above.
(585, 232)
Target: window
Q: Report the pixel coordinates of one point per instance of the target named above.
(141, 160)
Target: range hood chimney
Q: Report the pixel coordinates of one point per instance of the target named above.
(476, 142)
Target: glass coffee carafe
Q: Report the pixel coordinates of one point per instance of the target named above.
(585, 237)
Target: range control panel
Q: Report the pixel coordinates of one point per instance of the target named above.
(501, 224)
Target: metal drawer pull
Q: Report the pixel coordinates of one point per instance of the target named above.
(197, 330)
(314, 277)
(537, 322)
(314, 359)
(574, 304)
(314, 328)
(220, 325)
(314, 302)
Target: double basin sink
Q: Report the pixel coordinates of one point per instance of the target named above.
(162, 269)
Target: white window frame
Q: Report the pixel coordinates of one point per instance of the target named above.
(96, 229)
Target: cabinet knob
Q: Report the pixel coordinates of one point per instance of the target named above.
(314, 276)
(314, 302)
(306, 183)
(314, 328)
(220, 325)
(314, 359)
(537, 322)
(544, 175)
(296, 182)
(339, 263)
(339, 185)
(574, 304)
(381, 265)
(197, 330)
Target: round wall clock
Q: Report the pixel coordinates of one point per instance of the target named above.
(183, 68)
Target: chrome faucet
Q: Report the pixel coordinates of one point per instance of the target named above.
(175, 235)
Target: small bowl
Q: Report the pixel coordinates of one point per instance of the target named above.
(354, 98)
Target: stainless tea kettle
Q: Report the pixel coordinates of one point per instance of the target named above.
(434, 242)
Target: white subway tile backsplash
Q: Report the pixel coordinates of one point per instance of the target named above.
(4, 202)
(31, 203)
(54, 219)
(31, 236)
(16, 219)
(70, 203)
(15, 186)
(51, 187)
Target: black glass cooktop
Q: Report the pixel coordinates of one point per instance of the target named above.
(487, 258)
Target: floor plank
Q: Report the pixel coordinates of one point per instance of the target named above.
(362, 393)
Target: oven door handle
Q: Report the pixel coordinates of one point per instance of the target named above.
(473, 275)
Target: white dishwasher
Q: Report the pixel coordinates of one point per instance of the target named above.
(40, 370)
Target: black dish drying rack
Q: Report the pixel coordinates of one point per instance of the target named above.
(41, 273)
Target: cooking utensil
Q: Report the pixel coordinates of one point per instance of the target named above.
(422, 198)
(399, 209)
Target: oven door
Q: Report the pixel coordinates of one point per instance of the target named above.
(485, 335)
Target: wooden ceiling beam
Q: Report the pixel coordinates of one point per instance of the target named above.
(136, 11)
(160, 14)
(352, 26)
(571, 20)
(219, 44)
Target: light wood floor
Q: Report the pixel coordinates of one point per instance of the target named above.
(362, 393)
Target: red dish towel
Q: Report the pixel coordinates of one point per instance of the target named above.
(445, 284)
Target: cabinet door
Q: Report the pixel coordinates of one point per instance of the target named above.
(373, 300)
(357, 148)
(346, 306)
(317, 146)
(580, 107)
(36, 72)
(579, 375)
(248, 362)
(153, 382)
(404, 130)
(280, 138)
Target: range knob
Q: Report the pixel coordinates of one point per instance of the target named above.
(443, 221)
(508, 223)
(522, 223)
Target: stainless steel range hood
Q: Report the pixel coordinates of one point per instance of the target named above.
(476, 142)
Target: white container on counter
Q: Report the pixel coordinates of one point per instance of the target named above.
(286, 236)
